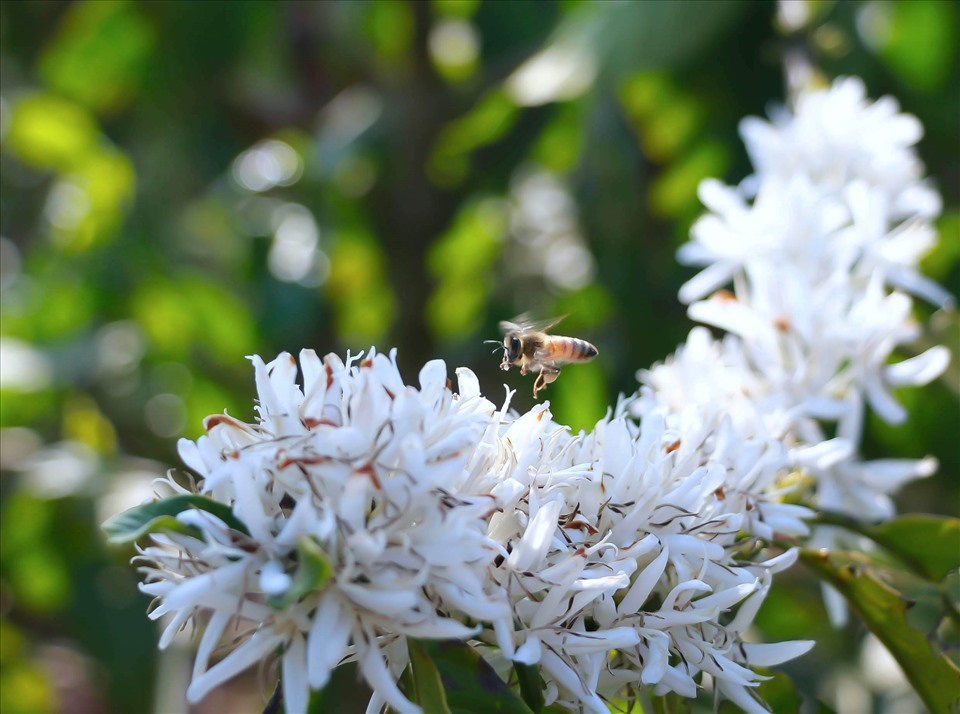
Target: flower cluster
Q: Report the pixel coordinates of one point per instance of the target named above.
(357, 473)
(364, 511)
(820, 246)
(628, 547)
(612, 559)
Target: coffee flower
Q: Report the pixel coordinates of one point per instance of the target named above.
(353, 472)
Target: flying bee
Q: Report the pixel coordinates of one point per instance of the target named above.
(527, 345)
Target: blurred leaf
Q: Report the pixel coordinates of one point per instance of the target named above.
(531, 686)
(456, 8)
(26, 689)
(585, 308)
(471, 684)
(674, 192)
(39, 578)
(922, 42)
(667, 120)
(671, 703)
(362, 298)
(160, 515)
(559, 145)
(456, 307)
(92, 198)
(390, 25)
(84, 422)
(487, 122)
(928, 544)
(651, 34)
(946, 254)
(222, 318)
(313, 571)
(883, 610)
(578, 397)
(182, 313)
(49, 132)
(98, 54)
(427, 688)
(779, 693)
(206, 397)
(472, 243)
(345, 692)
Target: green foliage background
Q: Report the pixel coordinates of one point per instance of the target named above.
(140, 265)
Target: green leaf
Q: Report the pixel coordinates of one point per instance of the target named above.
(671, 703)
(925, 543)
(935, 679)
(472, 686)
(928, 544)
(345, 692)
(313, 571)
(160, 515)
(531, 688)
(428, 689)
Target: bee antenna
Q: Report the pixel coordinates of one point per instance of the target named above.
(498, 343)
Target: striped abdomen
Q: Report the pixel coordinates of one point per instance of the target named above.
(571, 349)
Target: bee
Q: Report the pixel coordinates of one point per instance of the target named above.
(527, 345)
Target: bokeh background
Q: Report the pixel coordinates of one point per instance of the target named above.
(184, 184)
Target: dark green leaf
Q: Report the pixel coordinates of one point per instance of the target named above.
(345, 692)
(531, 688)
(472, 686)
(160, 515)
(427, 688)
(883, 609)
(313, 571)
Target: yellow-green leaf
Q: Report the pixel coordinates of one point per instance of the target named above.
(935, 679)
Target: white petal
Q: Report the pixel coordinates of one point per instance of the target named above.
(536, 539)
(296, 691)
(252, 651)
(771, 654)
(644, 584)
(529, 652)
(706, 281)
(919, 370)
(382, 681)
(327, 641)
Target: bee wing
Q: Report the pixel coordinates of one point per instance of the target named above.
(523, 323)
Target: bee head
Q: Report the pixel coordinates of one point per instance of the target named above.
(512, 346)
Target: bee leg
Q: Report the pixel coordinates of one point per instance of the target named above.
(548, 375)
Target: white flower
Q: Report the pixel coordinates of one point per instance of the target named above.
(623, 552)
(837, 136)
(357, 470)
(836, 215)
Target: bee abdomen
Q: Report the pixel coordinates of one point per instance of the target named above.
(580, 350)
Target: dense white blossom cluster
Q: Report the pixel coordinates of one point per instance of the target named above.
(630, 558)
(370, 472)
(820, 247)
(433, 509)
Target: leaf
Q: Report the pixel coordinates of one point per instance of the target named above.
(161, 515)
(472, 686)
(926, 543)
(345, 692)
(313, 571)
(428, 689)
(935, 679)
(531, 688)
